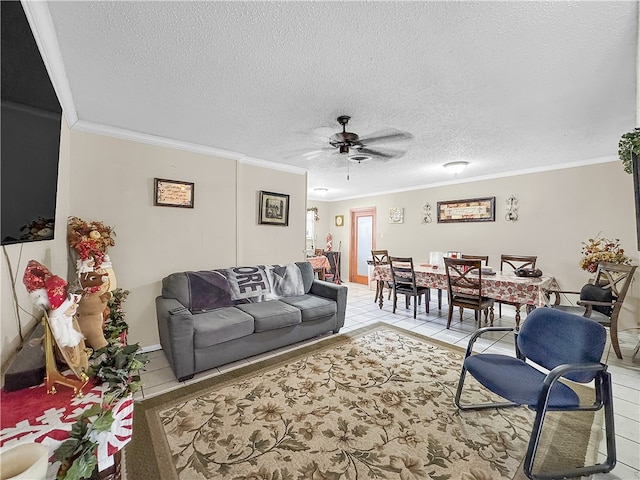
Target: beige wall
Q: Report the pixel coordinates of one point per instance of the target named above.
(111, 180)
(264, 244)
(558, 211)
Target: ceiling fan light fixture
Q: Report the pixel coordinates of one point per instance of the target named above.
(456, 167)
(359, 157)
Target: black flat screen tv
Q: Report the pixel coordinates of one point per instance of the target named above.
(29, 172)
(30, 134)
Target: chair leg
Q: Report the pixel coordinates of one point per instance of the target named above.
(450, 316)
(395, 301)
(604, 395)
(499, 310)
(461, 310)
(439, 299)
(415, 306)
(613, 331)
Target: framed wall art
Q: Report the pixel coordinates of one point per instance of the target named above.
(339, 220)
(470, 210)
(172, 193)
(396, 215)
(274, 209)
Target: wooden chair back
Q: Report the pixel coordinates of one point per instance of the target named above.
(402, 273)
(617, 278)
(463, 276)
(483, 258)
(380, 257)
(518, 261)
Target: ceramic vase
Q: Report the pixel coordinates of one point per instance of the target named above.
(24, 462)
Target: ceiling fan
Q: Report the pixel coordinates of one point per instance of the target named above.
(357, 149)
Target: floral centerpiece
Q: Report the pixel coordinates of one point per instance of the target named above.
(600, 249)
(90, 240)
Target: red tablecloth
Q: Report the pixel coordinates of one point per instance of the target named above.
(32, 415)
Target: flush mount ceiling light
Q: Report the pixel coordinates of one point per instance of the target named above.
(321, 190)
(455, 167)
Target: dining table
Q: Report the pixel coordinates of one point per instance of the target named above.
(502, 286)
(320, 265)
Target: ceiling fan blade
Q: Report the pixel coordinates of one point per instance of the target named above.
(390, 135)
(307, 154)
(387, 154)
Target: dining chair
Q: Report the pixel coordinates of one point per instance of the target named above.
(464, 281)
(333, 275)
(601, 299)
(483, 258)
(404, 283)
(512, 263)
(381, 257)
(551, 345)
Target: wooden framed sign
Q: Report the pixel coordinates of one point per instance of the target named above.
(470, 210)
(173, 193)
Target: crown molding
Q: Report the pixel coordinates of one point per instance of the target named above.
(514, 173)
(273, 165)
(39, 19)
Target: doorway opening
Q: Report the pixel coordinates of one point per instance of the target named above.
(362, 241)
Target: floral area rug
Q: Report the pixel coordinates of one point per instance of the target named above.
(374, 403)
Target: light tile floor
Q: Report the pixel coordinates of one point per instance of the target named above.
(361, 311)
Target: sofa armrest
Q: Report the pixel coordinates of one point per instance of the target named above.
(175, 328)
(338, 293)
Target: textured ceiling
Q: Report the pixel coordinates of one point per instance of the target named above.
(506, 86)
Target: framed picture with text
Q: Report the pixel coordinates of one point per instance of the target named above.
(469, 210)
(172, 193)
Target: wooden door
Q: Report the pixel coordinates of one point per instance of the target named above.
(361, 242)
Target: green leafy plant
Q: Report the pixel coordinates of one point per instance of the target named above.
(118, 366)
(629, 143)
(116, 325)
(78, 453)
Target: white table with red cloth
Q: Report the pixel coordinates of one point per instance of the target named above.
(507, 287)
(32, 415)
(320, 265)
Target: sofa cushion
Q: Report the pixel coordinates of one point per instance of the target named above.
(271, 315)
(307, 275)
(312, 307)
(222, 325)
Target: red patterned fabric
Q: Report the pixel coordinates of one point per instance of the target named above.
(35, 275)
(56, 290)
(33, 415)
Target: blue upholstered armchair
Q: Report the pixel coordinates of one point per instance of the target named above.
(566, 346)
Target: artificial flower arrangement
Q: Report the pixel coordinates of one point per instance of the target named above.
(600, 249)
(90, 240)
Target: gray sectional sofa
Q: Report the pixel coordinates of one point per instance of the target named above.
(213, 317)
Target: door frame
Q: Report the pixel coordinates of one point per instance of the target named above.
(354, 213)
